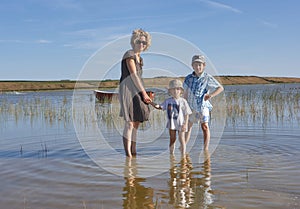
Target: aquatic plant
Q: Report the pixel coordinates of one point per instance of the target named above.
(263, 107)
(240, 107)
(35, 109)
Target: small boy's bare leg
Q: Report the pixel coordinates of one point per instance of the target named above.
(172, 149)
(172, 141)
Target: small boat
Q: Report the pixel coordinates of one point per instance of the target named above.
(109, 96)
(105, 96)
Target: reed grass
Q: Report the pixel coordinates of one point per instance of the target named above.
(239, 107)
(263, 108)
(35, 110)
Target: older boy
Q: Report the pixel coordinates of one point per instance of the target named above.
(199, 87)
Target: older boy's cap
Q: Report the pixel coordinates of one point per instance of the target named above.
(175, 84)
(198, 58)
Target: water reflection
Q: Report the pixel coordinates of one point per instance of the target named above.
(190, 186)
(135, 195)
(181, 193)
(201, 181)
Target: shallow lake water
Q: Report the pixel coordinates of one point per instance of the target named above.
(51, 155)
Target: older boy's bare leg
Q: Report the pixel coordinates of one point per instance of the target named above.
(206, 135)
(182, 142)
(172, 140)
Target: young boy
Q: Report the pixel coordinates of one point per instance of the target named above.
(178, 112)
(199, 87)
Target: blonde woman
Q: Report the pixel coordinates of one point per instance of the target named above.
(133, 97)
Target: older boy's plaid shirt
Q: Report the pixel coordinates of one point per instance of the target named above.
(197, 87)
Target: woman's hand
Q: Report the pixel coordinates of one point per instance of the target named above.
(156, 106)
(146, 98)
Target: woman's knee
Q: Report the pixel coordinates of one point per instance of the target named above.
(129, 125)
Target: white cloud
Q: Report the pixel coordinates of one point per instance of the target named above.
(222, 6)
(17, 41)
(11, 41)
(43, 41)
(268, 24)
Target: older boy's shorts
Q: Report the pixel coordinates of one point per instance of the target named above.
(202, 117)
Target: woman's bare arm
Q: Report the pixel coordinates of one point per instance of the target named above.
(137, 81)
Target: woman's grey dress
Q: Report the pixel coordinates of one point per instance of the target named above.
(131, 102)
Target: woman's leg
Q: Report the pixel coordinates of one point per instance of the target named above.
(127, 136)
(133, 137)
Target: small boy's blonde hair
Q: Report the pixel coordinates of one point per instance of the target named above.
(176, 83)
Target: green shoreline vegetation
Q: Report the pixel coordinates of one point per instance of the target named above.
(149, 82)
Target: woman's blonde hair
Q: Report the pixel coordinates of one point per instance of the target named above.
(137, 34)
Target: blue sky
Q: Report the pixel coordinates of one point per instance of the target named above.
(53, 39)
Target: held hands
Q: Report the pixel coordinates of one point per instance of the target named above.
(156, 106)
(146, 98)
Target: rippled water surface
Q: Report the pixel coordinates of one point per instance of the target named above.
(45, 163)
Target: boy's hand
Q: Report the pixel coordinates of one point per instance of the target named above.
(184, 127)
(207, 97)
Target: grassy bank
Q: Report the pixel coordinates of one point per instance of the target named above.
(149, 82)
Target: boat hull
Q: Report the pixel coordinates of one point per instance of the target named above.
(109, 96)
